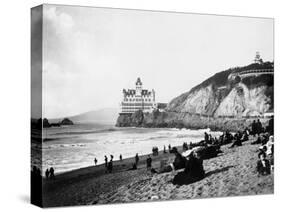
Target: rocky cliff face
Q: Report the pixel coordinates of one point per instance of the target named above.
(201, 101)
(221, 96)
(242, 101)
(220, 102)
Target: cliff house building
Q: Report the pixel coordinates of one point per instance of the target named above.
(137, 99)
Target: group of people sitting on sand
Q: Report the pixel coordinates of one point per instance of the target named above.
(191, 160)
(192, 164)
(258, 129)
(265, 139)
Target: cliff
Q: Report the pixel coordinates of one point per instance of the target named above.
(223, 101)
(221, 95)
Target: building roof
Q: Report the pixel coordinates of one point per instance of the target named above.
(138, 81)
(132, 92)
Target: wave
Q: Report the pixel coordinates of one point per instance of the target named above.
(85, 132)
(56, 146)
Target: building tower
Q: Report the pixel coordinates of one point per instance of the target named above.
(138, 87)
(258, 58)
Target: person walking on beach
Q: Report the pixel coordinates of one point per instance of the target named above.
(96, 161)
(169, 147)
(47, 173)
(164, 149)
(120, 157)
(206, 137)
(184, 146)
(52, 173)
(148, 162)
(137, 159)
(111, 157)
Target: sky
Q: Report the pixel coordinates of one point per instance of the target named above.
(91, 54)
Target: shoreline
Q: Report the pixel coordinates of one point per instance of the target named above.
(115, 162)
(143, 141)
(231, 173)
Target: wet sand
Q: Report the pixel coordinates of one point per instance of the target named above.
(232, 173)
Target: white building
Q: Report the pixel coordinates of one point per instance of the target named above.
(137, 99)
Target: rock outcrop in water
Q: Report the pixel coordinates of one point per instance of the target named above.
(223, 101)
(66, 121)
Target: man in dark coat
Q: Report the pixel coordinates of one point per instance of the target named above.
(206, 137)
(47, 173)
(137, 159)
(263, 165)
(193, 171)
(148, 162)
(259, 127)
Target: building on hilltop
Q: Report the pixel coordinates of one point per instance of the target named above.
(258, 58)
(258, 68)
(137, 99)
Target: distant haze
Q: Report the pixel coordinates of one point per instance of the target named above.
(91, 54)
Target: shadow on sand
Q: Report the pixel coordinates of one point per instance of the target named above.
(218, 171)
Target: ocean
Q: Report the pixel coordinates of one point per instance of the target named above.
(75, 146)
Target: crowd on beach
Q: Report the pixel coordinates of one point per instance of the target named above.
(192, 155)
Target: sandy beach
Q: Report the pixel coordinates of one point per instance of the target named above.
(232, 173)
